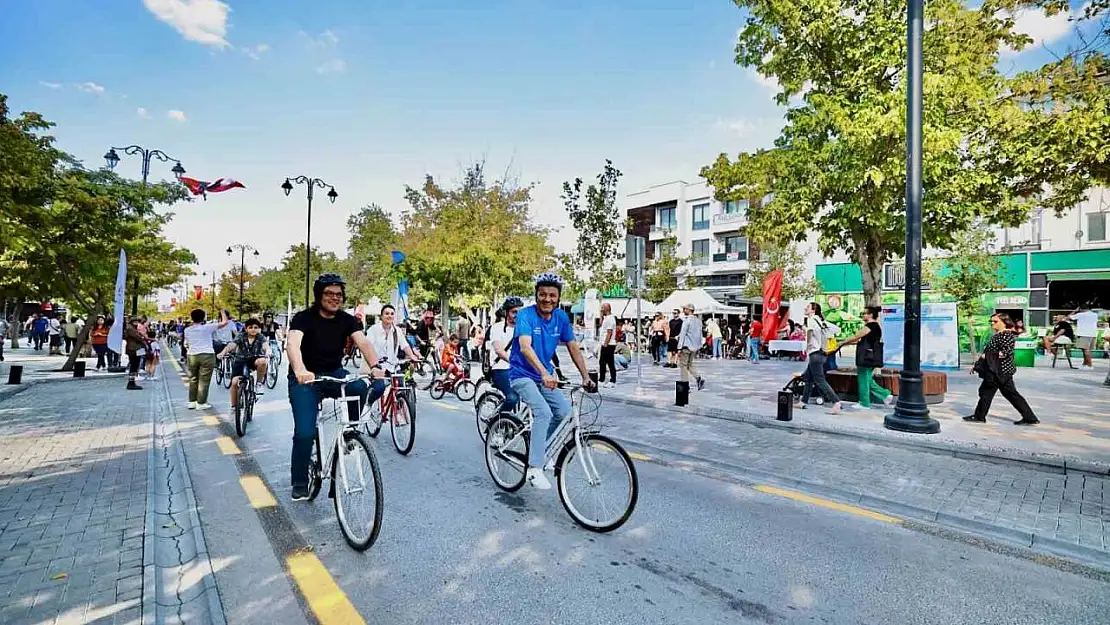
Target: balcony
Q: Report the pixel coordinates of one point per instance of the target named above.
(727, 222)
(659, 232)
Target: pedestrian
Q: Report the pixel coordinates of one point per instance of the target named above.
(689, 342)
(98, 336)
(202, 356)
(869, 356)
(659, 332)
(755, 335)
(225, 333)
(996, 368)
(608, 336)
(462, 328)
(1086, 329)
(54, 332)
(153, 355)
(675, 325)
(817, 336)
(38, 326)
(4, 325)
(70, 331)
(134, 343)
(714, 331)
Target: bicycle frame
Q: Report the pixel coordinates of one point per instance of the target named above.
(571, 426)
(340, 415)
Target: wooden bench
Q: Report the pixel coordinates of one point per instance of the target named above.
(843, 381)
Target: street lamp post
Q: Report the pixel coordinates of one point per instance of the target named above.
(215, 312)
(243, 248)
(911, 413)
(311, 183)
(112, 159)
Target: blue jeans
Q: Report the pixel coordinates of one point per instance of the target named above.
(304, 400)
(501, 382)
(717, 347)
(753, 349)
(549, 408)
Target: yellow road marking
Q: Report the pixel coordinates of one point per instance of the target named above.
(325, 598)
(441, 404)
(210, 420)
(227, 446)
(825, 503)
(640, 457)
(257, 492)
(174, 363)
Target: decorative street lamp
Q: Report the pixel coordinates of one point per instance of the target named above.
(911, 413)
(243, 248)
(112, 159)
(309, 182)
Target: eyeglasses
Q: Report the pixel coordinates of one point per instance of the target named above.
(333, 294)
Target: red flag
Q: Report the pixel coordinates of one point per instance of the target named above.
(772, 299)
(200, 187)
(198, 291)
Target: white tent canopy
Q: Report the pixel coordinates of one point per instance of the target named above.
(703, 303)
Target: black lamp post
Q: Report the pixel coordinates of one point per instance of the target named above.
(911, 413)
(287, 186)
(242, 247)
(112, 159)
(215, 311)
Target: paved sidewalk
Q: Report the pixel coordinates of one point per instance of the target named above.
(1073, 406)
(39, 366)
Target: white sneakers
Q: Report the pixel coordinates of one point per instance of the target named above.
(203, 406)
(536, 479)
(1087, 367)
(609, 384)
(192, 405)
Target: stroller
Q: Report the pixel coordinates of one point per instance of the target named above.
(797, 382)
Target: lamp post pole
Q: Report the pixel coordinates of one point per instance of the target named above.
(911, 413)
(311, 183)
(242, 247)
(112, 159)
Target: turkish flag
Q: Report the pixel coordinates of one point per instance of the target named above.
(772, 300)
(198, 291)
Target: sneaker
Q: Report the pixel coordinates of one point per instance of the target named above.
(192, 405)
(132, 386)
(889, 400)
(153, 378)
(203, 406)
(536, 479)
(701, 384)
(300, 492)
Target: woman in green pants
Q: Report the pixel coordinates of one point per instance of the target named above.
(869, 351)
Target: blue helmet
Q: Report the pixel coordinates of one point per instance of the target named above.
(549, 279)
(511, 302)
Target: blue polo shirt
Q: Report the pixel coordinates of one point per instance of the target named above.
(546, 335)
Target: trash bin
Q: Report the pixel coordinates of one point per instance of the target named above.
(681, 393)
(1025, 354)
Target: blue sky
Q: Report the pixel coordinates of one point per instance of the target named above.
(370, 96)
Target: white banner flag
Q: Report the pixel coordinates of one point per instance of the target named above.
(115, 334)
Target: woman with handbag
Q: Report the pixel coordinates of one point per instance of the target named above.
(817, 349)
(869, 356)
(996, 367)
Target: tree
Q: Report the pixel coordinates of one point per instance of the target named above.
(369, 265)
(967, 273)
(273, 286)
(661, 272)
(790, 260)
(475, 239)
(599, 226)
(838, 166)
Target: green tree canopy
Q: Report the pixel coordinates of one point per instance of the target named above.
(661, 272)
(968, 272)
(790, 260)
(369, 265)
(599, 226)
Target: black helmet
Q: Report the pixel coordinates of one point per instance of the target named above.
(326, 280)
(511, 302)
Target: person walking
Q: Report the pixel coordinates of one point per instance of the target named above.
(134, 342)
(98, 336)
(817, 335)
(996, 368)
(714, 332)
(869, 356)
(608, 346)
(54, 331)
(70, 332)
(675, 325)
(689, 342)
(202, 356)
(3, 335)
(755, 335)
(659, 335)
(1086, 329)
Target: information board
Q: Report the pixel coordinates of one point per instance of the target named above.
(940, 340)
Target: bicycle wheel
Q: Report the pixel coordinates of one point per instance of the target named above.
(315, 470)
(402, 425)
(358, 491)
(252, 399)
(272, 374)
(241, 409)
(423, 375)
(506, 453)
(436, 390)
(220, 373)
(227, 373)
(371, 419)
(612, 471)
(481, 387)
(465, 390)
(485, 409)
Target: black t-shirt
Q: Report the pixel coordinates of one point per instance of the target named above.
(324, 339)
(676, 328)
(271, 332)
(875, 336)
(1066, 327)
(424, 331)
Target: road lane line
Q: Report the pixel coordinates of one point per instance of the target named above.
(638, 456)
(446, 405)
(825, 503)
(227, 446)
(210, 420)
(325, 598)
(173, 361)
(257, 492)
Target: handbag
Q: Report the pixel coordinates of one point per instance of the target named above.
(870, 355)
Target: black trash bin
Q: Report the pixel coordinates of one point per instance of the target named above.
(681, 393)
(79, 369)
(786, 406)
(15, 374)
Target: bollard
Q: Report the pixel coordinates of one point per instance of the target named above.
(15, 374)
(786, 406)
(681, 393)
(79, 369)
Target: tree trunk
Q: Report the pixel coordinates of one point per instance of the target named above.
(871, 268)
(82, 337)
(444, 308)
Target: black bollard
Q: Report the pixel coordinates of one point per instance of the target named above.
(15, 374)
(681, 393)
(786, 406)
(79, 369)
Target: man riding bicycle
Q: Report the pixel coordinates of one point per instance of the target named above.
(539, 329)
(317, 336)
(252, 353)
(500, 338)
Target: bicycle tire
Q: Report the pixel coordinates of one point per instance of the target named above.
(403, 446)
(315, 470)
(227, 374)
(480, 389)
(566, 455)
(272, 375)
(371, 420)
(507, 427)
(469, 393)
(220, 373)
(485, 411)
(355, 442)
(252, 399)
(436, 391)
(241, 408)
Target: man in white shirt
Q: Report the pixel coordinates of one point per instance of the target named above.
(690, 340)
(608, 336)
(202, 356)
(388, 341)
(1086, 328)
(500, 341)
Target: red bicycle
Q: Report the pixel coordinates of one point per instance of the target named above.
(398, 407)
(457, 383)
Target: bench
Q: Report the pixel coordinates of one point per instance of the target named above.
(843, 381)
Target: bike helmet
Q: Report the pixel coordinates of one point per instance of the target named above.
(549, 279)
(512, 302)
(267, 315)
(326, 280)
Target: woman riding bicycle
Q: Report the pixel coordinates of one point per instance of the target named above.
(500, 339)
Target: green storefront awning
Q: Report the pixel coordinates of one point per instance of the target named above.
(1078, 275)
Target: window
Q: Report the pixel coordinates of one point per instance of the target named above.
(699, 252)
(736, 207)
(666, 219)
(701, 217)
(738, 245)
(1096, 227)
(661, 248)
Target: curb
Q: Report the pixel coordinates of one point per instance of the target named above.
(1042, 462)
(149, 604)
(1021, 538)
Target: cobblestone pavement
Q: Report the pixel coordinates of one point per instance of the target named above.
(73, 497)
(1073, 406)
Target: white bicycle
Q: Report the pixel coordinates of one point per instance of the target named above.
(587, 464)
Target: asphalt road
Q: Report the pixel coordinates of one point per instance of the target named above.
(702, 546)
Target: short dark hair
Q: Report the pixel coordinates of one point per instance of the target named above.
(197, 315)
(252, 322)
(389, 306)
(874, 311)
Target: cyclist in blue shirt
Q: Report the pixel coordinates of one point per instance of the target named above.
(539, 330)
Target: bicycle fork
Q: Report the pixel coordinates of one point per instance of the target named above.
(341, 449)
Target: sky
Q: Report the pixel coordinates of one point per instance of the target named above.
(372, 95)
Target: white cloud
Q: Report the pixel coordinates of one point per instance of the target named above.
(741, 127)
(51, 85)
(203, 21)
(326, 39)
(143, 113)
(1042, 28)
(329, 37)
(257, 51)
(176, 115)
(334, 66)
(91, 87)
(769, 82)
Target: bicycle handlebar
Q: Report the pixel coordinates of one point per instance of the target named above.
(354, 377)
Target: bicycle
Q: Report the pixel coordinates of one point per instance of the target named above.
(244, 406)
(346, 483)
(488, 406)
(223, 373)
(398, 407)
(272, 370)
(459, 384)
(509, 439)
(276, 350)
(353, 357)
